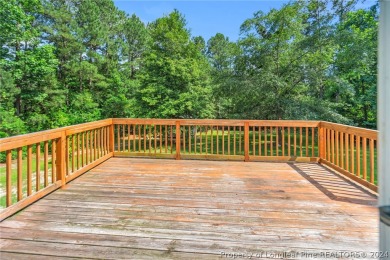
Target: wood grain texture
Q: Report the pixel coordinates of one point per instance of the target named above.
(166, 209)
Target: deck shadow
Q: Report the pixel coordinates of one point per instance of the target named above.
(333, 185)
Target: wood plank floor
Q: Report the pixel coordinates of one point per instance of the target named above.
(152, 209)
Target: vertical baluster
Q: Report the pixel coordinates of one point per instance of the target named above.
(223, 140)
(358, 155)
(139, 139)
(364, 144)
(95, 144)
(8, 165)
(184, 140)
(283, 142)
(53, 161)
(46, 163)
(87, 150)
(92, 150)
(38, 167)
(206, 141)
(342, 149)
(312, 142)
(29, 170)
(67, 162)
(212, 140)
(134, 133)
(160, 135)
(118, 136)
(239, 141)
(328, 145)
(178, 138)
(78, 151)
(307, 141)
(337, 148)
(300, 141)
(259, 134)
(166, 139)
(352, 153)
(189, 139)
(372, 166)
(217, 139)
(332, 144)
(73, 151)
(295, 141)
(145, 138)
(171, 140)
(128, 137)
(150, 137)
(195, 137)
(82, 149)
(105, 140)
(346, 152)
(289, 141)
(271, 133)
(277, 140)
(123, 138)
(155, 139)
(19, 172)
(91, 146)
(102, 140)
(265, 141)
(234, 140)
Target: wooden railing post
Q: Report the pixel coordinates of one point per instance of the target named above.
(111, 138)
(60, 158)
(246, 141)
(178, 140)
(321, 142)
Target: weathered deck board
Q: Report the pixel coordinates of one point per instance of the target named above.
(147, 209)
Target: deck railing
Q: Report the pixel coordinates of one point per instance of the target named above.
(351, 151)
(39, 163)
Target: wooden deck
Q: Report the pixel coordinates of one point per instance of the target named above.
(152, 208)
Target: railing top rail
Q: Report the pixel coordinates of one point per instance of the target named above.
(217, 122)
(362, 132)
(31, 138)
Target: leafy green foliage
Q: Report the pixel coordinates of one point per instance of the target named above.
(67, 61)
(174, 79)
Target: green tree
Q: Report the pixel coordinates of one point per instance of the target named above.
(222, 55)
(356, 66)
(175, 79)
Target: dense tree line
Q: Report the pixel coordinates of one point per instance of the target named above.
(64, 62)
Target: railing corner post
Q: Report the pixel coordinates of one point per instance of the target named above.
(178, 140)
(60, 158)
(246, 141)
